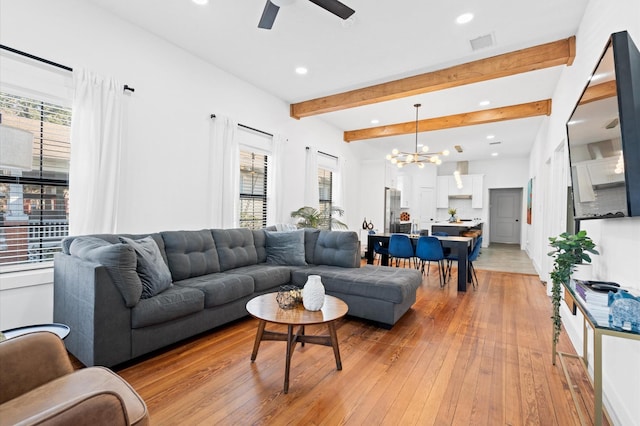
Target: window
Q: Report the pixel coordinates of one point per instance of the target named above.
(34, 213)
(325, 184)
(253, 190)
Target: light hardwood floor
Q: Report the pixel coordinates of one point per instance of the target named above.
(476, 358)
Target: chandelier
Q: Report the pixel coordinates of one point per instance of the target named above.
(401, 159)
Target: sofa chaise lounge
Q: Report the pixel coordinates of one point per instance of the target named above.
(106, 287)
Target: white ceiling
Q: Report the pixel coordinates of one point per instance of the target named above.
(385, 40)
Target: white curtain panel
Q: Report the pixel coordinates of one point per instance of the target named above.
(225, 174)
(96, 133)
(339, 188)
(311, 188)
(275, 184)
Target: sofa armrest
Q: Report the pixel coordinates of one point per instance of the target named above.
(95, 396)
(86, 299)
(30, 361)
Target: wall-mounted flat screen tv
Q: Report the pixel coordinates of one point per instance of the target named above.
(604, 136)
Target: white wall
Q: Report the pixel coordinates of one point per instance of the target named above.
(165, 152)
(617, 239)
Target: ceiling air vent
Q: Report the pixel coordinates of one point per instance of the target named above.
(458, 148)
(482, 42)
(495, 143)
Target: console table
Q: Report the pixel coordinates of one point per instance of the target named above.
(599, 330)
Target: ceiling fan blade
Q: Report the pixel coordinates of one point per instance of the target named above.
(335, 7)
(268, 15)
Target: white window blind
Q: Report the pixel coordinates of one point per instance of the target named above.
(34, 204)
(325, 187)
(253, 190)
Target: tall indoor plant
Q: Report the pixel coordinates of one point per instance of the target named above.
(568, 251)
(309, 217)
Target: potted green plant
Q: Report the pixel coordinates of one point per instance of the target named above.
(309, 217)
(452, 212)
(568, 251)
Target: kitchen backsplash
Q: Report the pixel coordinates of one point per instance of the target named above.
(464, 210)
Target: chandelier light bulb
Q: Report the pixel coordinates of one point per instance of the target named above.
(425, 148)
(421, 165)
(394, 160)
(388, 157)
(445, 152)
(399, 165)
(409, 158)
(438, 161)
(395, 151)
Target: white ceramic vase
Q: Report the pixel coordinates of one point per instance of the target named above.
(313, 293)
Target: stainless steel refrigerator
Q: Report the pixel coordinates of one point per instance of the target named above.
(391, 210)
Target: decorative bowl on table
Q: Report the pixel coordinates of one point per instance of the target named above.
(289, 296)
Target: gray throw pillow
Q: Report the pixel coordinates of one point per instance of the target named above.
(285, 248)
(119, 260)
(153, 272)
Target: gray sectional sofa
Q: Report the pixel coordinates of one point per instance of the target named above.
(121, 302)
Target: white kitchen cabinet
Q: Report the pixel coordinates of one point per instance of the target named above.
(477, 191)
(404, 184)
(442, 192)
(602, 171)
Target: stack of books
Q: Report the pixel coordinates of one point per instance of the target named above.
(596, 301)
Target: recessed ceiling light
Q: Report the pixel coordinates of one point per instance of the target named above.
(491, 136)
(464, 18)
(484, 103)
(301, 70)
(494, 154)
(375, 121)
(200, 2)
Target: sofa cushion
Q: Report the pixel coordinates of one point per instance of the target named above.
(153, 271)
(220, 288)
(337, 249)
(175, 302)
(235, 248)
(120, 261)
(190, 253)
(310, 239)
(260, 243)
(265, 276)
(285, 248)
(375, 282)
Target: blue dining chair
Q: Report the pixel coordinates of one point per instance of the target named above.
(446, 250)
(430, 249)
(400, 247)
(473, 256)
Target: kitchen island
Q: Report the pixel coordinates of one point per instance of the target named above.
(458, 228)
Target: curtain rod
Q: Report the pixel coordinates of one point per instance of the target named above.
(48, 62)
(323, 153)
(249, 128)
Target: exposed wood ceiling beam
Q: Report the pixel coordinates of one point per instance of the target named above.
(531, 109)
(599, 92)
(561, 52)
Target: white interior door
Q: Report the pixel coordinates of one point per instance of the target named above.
(505, 215)
(426, 213)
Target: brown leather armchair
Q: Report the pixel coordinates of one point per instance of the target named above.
(40, 386)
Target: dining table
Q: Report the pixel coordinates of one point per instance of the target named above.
(460, 246)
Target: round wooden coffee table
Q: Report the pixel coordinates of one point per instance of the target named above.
(266, 309)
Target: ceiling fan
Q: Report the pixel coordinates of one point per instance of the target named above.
(272, 7)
